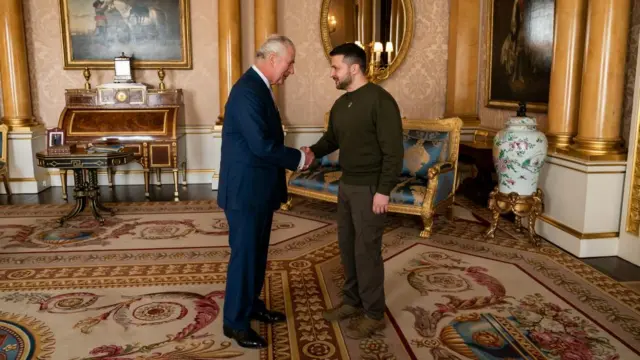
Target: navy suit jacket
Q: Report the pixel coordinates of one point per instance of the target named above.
(254, 157)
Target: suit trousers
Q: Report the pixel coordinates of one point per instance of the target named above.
(249, 234)
(360, 239)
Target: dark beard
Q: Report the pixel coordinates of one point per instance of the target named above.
(341, 85)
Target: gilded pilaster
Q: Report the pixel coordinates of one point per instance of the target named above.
(462, 69)
(229, 49)
(603, 81)
(14, 67)
(566, 71)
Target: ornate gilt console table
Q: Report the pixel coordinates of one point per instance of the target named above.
(149, 122)
(85, 174)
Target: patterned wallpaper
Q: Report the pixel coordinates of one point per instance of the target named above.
(418, 85)
(49, 79)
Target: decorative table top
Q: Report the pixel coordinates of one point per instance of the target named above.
(84, 160)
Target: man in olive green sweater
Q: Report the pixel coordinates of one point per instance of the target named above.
(365, 125)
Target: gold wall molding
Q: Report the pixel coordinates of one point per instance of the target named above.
(27, 179)
(575, 233)
(589, 172)
(576, 160)
(463, 54)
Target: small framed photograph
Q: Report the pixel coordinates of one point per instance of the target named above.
(55, 137)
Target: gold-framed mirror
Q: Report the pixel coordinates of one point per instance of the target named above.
(383, 28)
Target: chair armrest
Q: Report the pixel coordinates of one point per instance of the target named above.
(440, 168)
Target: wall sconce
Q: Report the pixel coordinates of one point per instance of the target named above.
(377, 72)
(332, 22)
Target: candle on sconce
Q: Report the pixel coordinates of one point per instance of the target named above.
(389, 47)
(377, 49)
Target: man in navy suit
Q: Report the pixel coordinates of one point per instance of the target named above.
(253, 185)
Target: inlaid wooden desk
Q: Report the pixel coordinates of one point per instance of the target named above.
(149, 122)
(85, 174)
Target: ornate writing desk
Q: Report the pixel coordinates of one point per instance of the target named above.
(150, 122)
(85, 174)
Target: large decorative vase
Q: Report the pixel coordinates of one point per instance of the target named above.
(519, 152)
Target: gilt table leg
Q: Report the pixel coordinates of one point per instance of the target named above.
(63, 180)
(146, 183)
(175, 184)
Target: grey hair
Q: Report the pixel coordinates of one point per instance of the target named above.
(274, 44)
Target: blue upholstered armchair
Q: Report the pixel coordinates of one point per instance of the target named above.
(426, 184)
(4, 167)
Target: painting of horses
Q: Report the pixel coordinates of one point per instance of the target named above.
(519, 53)
(154, 33)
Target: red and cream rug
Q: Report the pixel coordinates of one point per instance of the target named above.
(149, 284)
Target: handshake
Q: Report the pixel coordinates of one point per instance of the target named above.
(309, 157)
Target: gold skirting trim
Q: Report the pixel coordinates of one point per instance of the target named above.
(576, 233)
(22, 179)
(166, 170)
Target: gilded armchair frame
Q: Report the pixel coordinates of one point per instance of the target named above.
(428, 207)
(4, 167)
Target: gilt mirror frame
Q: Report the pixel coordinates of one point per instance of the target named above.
(407, 36)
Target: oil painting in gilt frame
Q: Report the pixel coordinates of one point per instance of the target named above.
(519, 53)
(155, 33)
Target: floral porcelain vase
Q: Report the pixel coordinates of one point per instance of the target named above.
(519, 152)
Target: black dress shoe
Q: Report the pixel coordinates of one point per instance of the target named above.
(268, 317)
(245, 338)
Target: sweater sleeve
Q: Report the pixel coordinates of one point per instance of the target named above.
(328, 143)
(390, 138)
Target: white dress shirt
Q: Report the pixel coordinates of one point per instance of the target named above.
(266, 82)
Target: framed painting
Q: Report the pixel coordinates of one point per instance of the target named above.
(519, 53)
(154, 33)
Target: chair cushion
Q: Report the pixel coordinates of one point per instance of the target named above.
(422, 149)
(409, 191)
(322, 178)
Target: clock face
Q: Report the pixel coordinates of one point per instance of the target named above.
(121, 96)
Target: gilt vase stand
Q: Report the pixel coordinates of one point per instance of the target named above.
(530, 206)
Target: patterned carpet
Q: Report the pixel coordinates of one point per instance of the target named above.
(149, 285)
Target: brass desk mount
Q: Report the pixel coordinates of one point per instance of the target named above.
(161, 75)
(521, 206)
(87, 75)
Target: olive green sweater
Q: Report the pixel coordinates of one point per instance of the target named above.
(365, 125)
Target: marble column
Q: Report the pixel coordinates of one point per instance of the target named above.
(16, 92)
(566, 72)
(265, 24)
(229, 49)
(462, 69)
(603, 81)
